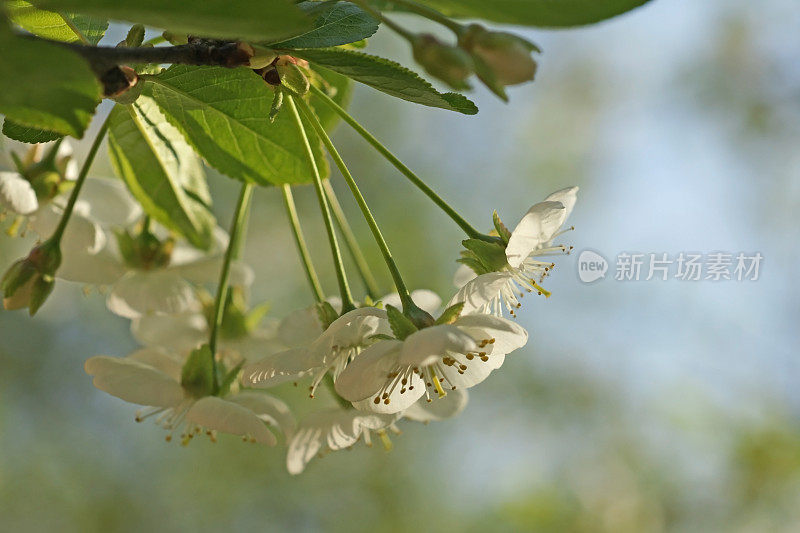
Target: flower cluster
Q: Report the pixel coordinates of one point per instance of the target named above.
(210, 364)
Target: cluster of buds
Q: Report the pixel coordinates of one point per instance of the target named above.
(29, 281)
(498, 58)
(281, 72)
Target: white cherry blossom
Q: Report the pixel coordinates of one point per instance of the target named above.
(391, 375)
(531, 241)
(152, 377)
(332, 430)
(331, 352)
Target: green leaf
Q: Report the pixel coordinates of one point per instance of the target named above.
(45, 86)
(161, 170)
(224, 114)
(65, 27)
(450, 314)
(334, 25)
(26, 134)
(197, 375)
(543, 13)
(401, 325)
(248, 19)
(338, 87)
(387, 76)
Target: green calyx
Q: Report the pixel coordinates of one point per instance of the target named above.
(46, 173)
(484, 256)
(197, 375)
(401, 325)
(143, 250)
(326, 314)
(238, 320)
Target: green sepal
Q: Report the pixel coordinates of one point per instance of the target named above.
(256, 315)
(197, 376)
(226, 379)
(450, 314)
(472, 262)
(293, 78)
(491, 254)
(277, 104)
(16, 276)
(488, 78)
(501, 228)
(381, 337)
(401, 325)
(327, 314)
(42, 287)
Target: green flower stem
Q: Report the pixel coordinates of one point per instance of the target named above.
(352, 243)
(344, 288)
(76, 190)
(405, 297)
(390, 23)
(239, 217)
(300, 241)
(413, 178)
(431, 14)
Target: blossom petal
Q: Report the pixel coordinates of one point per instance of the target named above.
(463, 275)
(480, 291)
(505, 335)
(133, 381)
(82, 234)
(567, 196)
(229, 417)
(101, 268)
(438, 409)
(16, 194)
(335, 429)
(300, 327)
(180, 333)
(278, 368)
(110, 203)
(428, 301)
(367, 373)
(428, 346)
(537, 227)
(140, 293)
(162, 360)
(268, 408)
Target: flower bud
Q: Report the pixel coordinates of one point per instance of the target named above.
(30, 281)
(448, 63)
(506, 57)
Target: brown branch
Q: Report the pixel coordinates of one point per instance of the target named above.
(106, 61)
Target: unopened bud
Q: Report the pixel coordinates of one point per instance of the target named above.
(505, 55)
(448, 63)
(30, 281)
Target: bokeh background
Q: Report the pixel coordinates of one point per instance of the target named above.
(636, 406)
